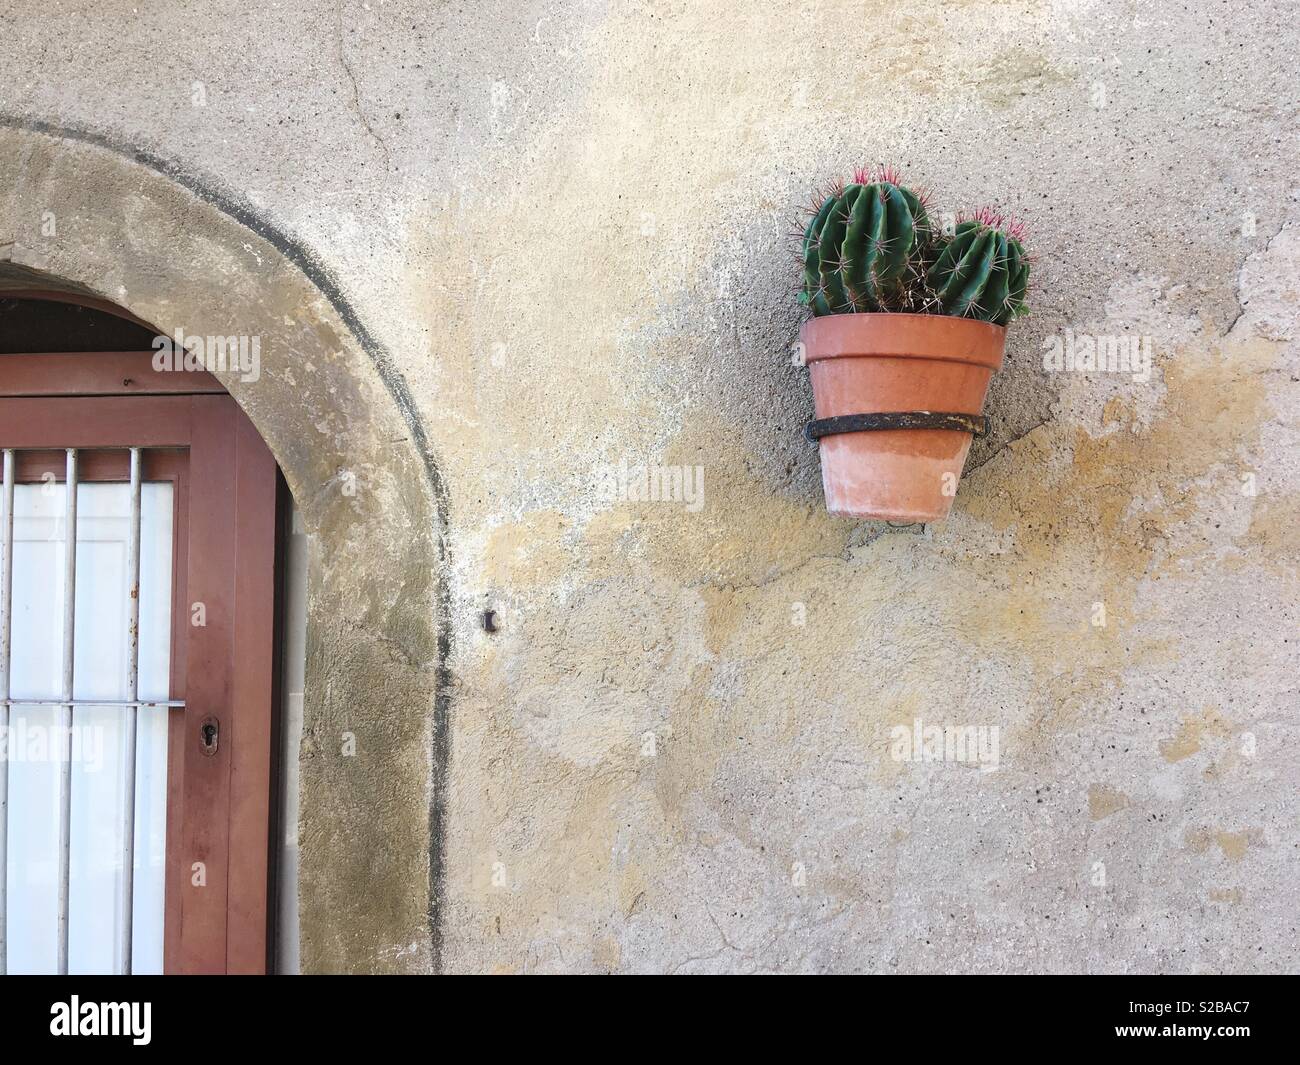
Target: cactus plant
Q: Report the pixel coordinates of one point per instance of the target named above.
(982, 271)
(898, 392)
(862, 247)
(870, 246)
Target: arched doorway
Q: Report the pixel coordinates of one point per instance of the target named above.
(103, 221)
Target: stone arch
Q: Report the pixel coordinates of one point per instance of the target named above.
(82, 213)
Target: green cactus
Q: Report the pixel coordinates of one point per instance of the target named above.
(982, 271)
(860, 245)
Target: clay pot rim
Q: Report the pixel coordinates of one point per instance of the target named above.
(903, 335)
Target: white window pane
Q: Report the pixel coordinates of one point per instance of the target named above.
(98, 793)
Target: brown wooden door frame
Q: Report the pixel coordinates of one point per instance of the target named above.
(219, 804)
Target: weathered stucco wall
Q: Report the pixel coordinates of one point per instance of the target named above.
(568, 225)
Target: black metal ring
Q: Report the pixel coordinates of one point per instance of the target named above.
(976, 424)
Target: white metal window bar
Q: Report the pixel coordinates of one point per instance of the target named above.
(68, 704)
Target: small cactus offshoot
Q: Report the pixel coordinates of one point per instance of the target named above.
(870, 246)
(982, 271)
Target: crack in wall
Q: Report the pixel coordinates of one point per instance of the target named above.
(356, 93)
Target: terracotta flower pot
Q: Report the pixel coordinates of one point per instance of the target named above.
(897, 363)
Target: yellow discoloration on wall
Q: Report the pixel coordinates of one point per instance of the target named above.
(533, 552)
(1104, 801)
(1231, 844)
(1187, 740)
(1273, 525)
(607, 953)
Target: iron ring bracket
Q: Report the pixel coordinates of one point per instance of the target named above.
(975, 424)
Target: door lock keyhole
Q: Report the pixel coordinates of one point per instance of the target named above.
(209, 734)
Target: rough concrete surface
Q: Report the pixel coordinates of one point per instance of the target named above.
(563, 230)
